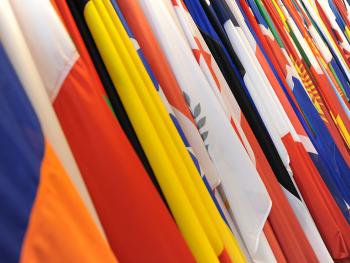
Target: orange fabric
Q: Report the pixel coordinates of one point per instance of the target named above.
(60, 227)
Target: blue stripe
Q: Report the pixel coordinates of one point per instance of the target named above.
(21, 153)
(215, 200)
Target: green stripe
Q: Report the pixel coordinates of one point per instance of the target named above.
(269, 22)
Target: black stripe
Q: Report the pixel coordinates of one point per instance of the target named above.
(251, 115)
(222, 35)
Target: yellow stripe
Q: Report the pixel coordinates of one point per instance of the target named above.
(148, 134)
(282, 16)
(341, 127)
(347, 33)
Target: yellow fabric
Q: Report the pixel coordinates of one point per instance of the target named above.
(347, 33)
(217, 231)
(343, 131)
(148, 134)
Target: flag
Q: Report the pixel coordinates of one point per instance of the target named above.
(330, 203)
(340, 77)
(224, 96)
(43, 217)
(177, 102)
(294, 90)
(223, 139)
(326, 36)
(280, 207)
(280, 129)
(27, 73)
(331, 21)
(325, 86)
(169, 85)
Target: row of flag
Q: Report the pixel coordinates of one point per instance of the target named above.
(175, 131)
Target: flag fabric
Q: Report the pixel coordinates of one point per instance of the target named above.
(317, 68)
(304, 173)
(342, 225)
(174, 102)
(301, 140)
(197, 90)
(306, 142)
(125, 199)
(175, 131)
(331, 21)
(42, 214)
(315, 155)
(160, 67)
(154, 80)
(327, 52)
(244, 99)
(169, 85)
(223, 94)
(275, 192)
(296, 94)
(319, 24)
